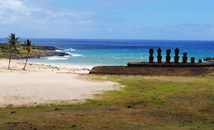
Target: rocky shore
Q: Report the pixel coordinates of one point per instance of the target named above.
(36, 52)
(209, 59)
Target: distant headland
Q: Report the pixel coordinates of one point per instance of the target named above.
(36, 52)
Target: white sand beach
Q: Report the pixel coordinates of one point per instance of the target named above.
(45, 84)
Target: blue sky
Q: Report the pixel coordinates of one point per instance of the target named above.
(108, 19)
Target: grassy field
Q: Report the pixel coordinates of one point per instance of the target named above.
(146, 102)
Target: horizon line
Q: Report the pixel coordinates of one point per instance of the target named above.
(115, 39)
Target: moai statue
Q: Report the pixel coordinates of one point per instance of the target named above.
(200, 61)
(176, 58)
(192, 59)
(185, 57)
(168, 57)
(159, 57)
(151, 58)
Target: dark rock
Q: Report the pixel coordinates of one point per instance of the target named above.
(56, 109)
(13, 112)
(74, 126)
(59, 54)
(209, 59)
(129, 106)
(50, 48)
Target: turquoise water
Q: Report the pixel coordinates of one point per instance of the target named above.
(88, 53)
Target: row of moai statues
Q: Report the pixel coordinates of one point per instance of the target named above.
(168, 57)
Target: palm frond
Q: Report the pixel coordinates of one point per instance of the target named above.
(28, 45)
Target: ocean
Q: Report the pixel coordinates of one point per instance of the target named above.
(88, 52)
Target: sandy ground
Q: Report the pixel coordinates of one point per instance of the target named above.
(42, 84)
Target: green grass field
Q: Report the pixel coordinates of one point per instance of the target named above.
(143, 103)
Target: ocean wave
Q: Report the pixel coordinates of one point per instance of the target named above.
(57, 58)
(67, 56)
(62, 50)
(76, 55)
(58, 50)
(70, 49)
(71, 54)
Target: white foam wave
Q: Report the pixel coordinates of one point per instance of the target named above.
(58, 50)
(70, 49)
(76, 55)
(57, 58)
(67, 56)
(71, 54)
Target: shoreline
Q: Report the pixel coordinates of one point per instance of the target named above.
(66, 65)
(46, 84)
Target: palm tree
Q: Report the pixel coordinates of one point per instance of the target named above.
(27, 46)
(12, 42)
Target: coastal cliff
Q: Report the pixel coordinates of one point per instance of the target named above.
(36, 52)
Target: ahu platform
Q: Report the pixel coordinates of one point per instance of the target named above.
(159, 67)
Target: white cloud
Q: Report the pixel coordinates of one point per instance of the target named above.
(11, 4)
(17, 6)
(41, 18)
(13, 11)
(22, 11)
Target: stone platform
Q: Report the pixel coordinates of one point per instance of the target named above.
(155, 64)
(145, 68)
